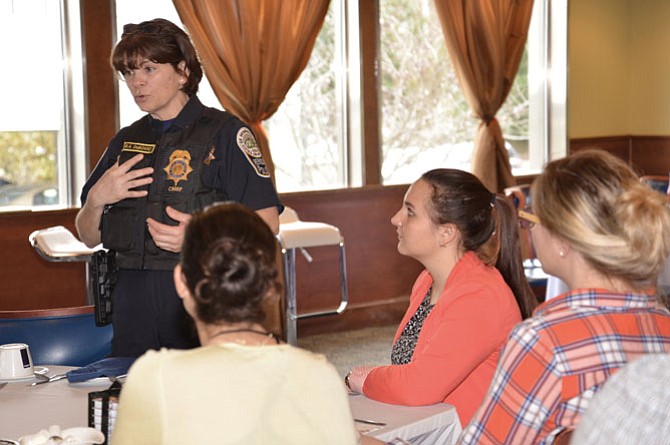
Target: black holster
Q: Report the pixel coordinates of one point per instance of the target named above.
(102, 278)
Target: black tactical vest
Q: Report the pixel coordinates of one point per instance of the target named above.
(178, 159)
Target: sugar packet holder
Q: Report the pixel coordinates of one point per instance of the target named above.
(102, 408)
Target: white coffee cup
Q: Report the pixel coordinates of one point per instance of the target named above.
(15, 362)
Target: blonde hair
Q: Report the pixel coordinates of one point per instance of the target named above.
(595, 202)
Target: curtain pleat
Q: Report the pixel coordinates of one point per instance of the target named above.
(485, 40)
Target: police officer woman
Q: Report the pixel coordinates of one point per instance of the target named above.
(178, 158)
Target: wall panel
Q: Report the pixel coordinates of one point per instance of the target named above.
(28, 281)
(648, 155)
(380, 279)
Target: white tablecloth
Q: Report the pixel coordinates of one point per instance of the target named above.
(26, 410)
(433, 424)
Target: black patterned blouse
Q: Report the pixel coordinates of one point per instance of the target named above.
(403, 349)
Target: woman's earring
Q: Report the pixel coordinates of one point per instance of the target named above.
(561, 253)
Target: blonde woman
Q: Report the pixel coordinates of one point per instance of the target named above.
(606, 235)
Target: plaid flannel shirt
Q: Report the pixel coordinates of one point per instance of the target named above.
(554, 362)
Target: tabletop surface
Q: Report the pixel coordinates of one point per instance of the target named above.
(405, 422)
(26, 409)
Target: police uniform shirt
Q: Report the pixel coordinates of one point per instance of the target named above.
(234, 167)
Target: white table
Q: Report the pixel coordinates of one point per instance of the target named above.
(432, 424)
(26, 410)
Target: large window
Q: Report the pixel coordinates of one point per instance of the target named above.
(316, 134)
(41, 120)
(307, 136)
(425, 120)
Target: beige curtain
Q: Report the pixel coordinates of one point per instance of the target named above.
(253, 51)
(485, 40)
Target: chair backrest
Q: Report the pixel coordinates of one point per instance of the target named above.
(657, 182)
(289, 215)
(563, 438)
(519, 195)
(66, 336)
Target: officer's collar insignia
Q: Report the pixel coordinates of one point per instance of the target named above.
(138, 147)
(210, 157)
(179, 167)
(247, 143)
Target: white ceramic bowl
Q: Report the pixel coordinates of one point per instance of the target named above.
(70, 436)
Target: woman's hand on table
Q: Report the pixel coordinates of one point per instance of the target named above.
(356, 377)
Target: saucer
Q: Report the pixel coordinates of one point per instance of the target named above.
(21, 379)
(71, 436)
(36, 370)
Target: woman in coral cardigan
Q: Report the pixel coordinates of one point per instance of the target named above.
(463, 305)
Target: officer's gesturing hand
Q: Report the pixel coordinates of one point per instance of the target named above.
(169, 237)
(119, 182)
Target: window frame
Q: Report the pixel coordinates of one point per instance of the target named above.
(76, 115)
(547, 79)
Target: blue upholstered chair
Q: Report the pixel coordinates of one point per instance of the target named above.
(519, 195)
(66, 336)
(657, 182)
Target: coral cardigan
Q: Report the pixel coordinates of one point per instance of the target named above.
(457, 351)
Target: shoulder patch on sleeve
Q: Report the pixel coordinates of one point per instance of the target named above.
(247, 143)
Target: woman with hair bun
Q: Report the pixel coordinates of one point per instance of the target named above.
(243, 385)
(470, 295)
(606, 235)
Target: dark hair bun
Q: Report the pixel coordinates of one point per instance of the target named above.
(229, 261)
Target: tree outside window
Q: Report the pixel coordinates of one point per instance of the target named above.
(425, 120)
